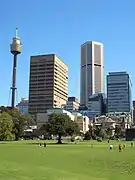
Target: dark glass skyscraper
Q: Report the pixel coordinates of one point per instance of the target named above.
(119, 96)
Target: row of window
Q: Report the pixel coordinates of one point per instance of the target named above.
(57, 65)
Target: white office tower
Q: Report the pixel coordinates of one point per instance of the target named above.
(92, 70)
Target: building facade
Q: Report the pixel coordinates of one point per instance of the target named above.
(83, 122)
(119, 97)
(72, 104)
(92, 70)
(134, 112)
(22, 106)
(96, 103)
(48, 83)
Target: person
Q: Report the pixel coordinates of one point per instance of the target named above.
(111, 147)
(108, 141)
(132, 144)
(91, 145)
(44, 144)
(120, 148)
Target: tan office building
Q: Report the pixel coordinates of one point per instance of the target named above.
(48, 84)
(92, 70)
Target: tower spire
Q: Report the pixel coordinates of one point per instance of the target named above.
(16, 32)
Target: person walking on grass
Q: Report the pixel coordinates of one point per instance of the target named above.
(91, 145)
(111, 147)
(44, 144)
(120, 148)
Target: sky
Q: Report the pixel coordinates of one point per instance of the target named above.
(60, 27)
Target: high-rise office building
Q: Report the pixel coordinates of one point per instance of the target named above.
(134, 112)
(72, 104)
(96, 103)
(92, 70)
(119, 97)
(48, 84)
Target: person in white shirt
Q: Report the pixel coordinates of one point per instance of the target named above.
(111, 147)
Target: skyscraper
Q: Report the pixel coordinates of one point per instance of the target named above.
(134, 112)
(92, 70)
(48, 84)
(119, 97)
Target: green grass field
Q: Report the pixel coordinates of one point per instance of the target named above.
(26, 161)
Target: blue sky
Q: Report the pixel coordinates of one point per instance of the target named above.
(50, 26)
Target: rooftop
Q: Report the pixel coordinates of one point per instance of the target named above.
(92, 42)
(118, 73)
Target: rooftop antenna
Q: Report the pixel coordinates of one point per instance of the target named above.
(16, 32)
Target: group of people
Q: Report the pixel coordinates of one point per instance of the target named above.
(120, 146)
(44, 144)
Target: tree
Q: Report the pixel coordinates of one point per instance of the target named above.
(61, 125)
(91, 130)
(19, 123)
(118, 131)
(4, 109)
(102, 134)
(109, 132)
(99, 132)
(6, 126)
(87, 135)
(30, 120)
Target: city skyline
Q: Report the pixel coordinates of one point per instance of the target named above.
(111, 25)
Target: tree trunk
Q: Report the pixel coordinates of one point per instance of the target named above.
(16, 137)
(59, 139)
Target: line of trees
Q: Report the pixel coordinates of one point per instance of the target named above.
(13, 124)
(98, 132)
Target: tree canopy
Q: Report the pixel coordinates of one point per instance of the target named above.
(60, 125)
(19, 121)
(6, 126)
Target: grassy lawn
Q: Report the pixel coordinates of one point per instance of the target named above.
(26, 161)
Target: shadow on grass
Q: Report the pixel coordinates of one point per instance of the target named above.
(2, 143)
(48, 143)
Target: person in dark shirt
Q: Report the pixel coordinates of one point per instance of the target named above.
(44, 144)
